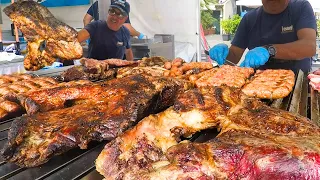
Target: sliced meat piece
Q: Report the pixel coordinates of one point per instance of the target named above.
(270, 84)
(197, 65)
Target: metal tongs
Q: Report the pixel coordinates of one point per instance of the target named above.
(229, 62)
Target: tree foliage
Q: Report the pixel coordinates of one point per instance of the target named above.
(206, 3)
(230, 25)
(207, 19)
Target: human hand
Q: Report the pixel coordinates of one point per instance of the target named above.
(141, 36)
(219, 53)
(256, 57)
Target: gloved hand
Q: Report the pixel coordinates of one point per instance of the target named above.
(141, 36)
(219, 53)
(256, 57)
(88, 41)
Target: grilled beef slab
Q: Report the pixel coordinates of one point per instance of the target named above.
(48, 38)
(116, 106)
(255, 142)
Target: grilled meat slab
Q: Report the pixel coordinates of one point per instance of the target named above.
(34, 139)
(15, 84)
(57, 98)
(231, 76)
(255, 142)
(48, 38)
(270, 84)
(133, 153)
(242, 155)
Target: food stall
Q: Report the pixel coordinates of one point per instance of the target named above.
(80, 164)
(179, 106)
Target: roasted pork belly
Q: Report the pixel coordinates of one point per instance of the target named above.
(114, 107)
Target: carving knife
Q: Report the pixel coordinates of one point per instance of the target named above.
(207, 53)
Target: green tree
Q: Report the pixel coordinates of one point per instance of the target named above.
(235, 21)
(207, 20)
(226, 25)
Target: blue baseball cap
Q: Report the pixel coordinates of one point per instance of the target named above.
(122, 5)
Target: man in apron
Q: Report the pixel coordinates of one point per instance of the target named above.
(279, 35)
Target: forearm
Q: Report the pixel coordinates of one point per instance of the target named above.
(133, 32)
(235, 54)
(233, 57)
(83, 35)
(129, 55)
(86, 21)
(296, 50)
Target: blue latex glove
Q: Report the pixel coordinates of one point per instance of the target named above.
(140, 36)
(88, 41)
(219, 53)
(256, 57)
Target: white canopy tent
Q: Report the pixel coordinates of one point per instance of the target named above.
(315, 5)
(179, 17)
(249, 3)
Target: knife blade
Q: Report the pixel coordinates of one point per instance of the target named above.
(230, 62)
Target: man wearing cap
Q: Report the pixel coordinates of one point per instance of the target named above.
(109, 39)
(93, 14)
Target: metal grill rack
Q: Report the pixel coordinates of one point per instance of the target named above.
(80, 164)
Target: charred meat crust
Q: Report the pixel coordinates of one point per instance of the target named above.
(34, 139)
(40, 27)
(255, 141)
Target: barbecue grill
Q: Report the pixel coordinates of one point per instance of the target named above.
(80, 164)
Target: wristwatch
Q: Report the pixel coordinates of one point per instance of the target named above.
(271, 50)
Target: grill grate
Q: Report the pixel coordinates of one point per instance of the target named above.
(79, 164)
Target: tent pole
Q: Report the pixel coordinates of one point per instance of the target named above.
(1, 43)
(198, 32)
(15, 28)
(17, 44)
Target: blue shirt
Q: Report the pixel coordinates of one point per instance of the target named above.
(258, 28)
(106, 43)
(94, 12)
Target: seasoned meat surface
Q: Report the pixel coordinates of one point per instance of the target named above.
(48, 38)
(109, 109)
(270, 84)
(255, 141)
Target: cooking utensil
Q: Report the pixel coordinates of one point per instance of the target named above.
(207, 53)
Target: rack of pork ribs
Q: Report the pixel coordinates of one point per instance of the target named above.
(63, 118)
(12, 85)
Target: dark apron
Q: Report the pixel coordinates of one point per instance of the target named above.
(294, 65)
